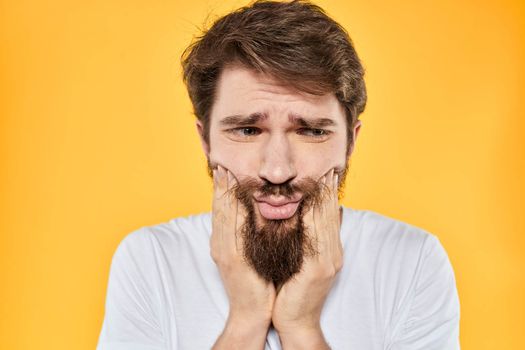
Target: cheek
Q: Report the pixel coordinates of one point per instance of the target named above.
(318, 159)
(241, 161)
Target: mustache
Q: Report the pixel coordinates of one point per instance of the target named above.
(313, 192)
(265, 188)
(286, 189)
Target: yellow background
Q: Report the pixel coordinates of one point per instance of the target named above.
(97, 140)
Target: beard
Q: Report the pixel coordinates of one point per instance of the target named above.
(276, 249)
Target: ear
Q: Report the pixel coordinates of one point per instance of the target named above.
(357, 127)
(355, 133)
(204, 144)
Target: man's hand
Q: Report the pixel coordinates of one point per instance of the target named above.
(251, 298)
(297, 310)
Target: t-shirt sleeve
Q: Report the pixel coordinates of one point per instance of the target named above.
(131, 316)
(432, 321)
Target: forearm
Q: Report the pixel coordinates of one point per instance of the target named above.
(242, 334)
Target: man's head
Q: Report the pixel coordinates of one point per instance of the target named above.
(277, 89)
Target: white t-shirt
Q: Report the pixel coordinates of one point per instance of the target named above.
(396, 289)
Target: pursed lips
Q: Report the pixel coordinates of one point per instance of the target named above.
(277, 208)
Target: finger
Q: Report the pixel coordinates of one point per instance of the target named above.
(240, 219)
(335, 191)
(231, 183)
(228, 205)
(223, 230)
(239, 223)
(218, 192)
(333, 205)
(309, 224)
(327, 198)
(218, 205)
(326, 218)
(324, 188)
(320, 227)
(338, 247)
(218, 216)
(218, 213)
(220, 181)
(330, 182)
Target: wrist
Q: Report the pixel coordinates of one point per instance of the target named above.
(303, 338)
(243, 333)
(247, 325)
(248, 321)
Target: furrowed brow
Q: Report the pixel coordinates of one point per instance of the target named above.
(312, 123)
(241, 120)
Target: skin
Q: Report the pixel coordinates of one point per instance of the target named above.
(274, 147)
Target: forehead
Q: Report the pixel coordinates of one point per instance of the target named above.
(244, 91)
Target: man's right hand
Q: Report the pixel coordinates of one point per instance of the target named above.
(251, 298)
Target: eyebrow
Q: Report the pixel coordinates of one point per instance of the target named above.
(313, 123)
(254, 118)
(241, 120)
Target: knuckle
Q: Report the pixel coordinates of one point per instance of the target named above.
(225, 262)
(219, 259)
(214, 253)
(329, 270)
(219, 217)
(226, 265)
(338, 264)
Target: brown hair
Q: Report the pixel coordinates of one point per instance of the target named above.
(295, 42)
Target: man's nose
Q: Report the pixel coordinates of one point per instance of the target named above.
(277, 163)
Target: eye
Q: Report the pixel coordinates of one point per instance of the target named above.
(316, 133)
(249, 131)
(246, 131)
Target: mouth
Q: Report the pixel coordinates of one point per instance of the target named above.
(277, 209)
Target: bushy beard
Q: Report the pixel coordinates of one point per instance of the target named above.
(275, 249)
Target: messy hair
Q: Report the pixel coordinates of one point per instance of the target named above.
(295, 42)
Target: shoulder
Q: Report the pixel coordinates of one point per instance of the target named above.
(382, 232)
(176, 234)
(393, 249)
(412, 277)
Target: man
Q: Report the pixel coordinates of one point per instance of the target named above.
(277, 89)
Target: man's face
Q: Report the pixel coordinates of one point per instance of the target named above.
(264, 130)
(278, 143)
